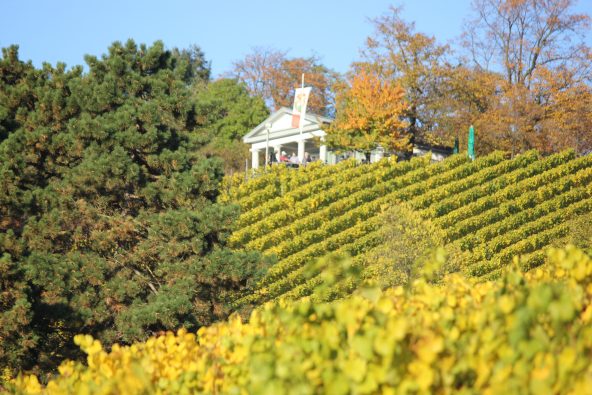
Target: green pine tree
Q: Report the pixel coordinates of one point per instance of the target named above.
(108, 215)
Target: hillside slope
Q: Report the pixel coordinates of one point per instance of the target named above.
(490, 210)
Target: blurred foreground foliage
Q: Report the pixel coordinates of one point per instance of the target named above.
(523, 333)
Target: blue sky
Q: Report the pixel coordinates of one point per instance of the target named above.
(227, 30)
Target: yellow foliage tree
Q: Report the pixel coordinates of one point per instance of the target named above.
(369, 114)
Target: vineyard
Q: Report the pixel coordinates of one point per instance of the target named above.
(172, 223)
(495, 308)
(489, 210)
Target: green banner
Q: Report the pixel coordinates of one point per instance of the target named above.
(471, 145)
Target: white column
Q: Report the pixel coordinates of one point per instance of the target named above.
(254, 158)
(301, 145)
(378, 154)
(323, 151)
(266, 160)
(278, 151)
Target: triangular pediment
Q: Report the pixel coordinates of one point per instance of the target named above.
(281, 125)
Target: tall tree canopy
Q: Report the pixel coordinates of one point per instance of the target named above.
(227, 113)
(193, 64)
(516, 37)
(396, 52)
(523, 79)
(271, 75)
(108, 217)
(537, 50)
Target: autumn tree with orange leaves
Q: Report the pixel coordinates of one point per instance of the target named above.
(522, 76)
(273, 76)
(542, 70)
(415, 61)
(369, 114)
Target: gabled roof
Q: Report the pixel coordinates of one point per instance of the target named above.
(311, 121)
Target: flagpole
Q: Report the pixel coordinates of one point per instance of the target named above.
(267, 127)
(301, 155)
(302, 121)
(298, 114)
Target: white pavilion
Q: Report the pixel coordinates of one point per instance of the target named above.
(277, 133)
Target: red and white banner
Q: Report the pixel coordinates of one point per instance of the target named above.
(299, 110)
